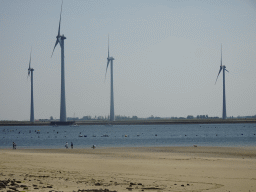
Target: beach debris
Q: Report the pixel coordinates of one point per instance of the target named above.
(194, 145)
(95, 190)
(13, 188)
(3, 184)
(23, 186)
(154, 188)
(11, 185)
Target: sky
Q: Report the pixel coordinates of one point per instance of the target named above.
(167, 57)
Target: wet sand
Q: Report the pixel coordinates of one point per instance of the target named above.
(129, 169)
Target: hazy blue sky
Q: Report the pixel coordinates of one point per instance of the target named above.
(167, 57)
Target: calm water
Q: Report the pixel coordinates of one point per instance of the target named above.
(129, 135)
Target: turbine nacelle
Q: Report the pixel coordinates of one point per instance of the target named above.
(29, 70)
(61, 37)
(110, 58)
(224, 68)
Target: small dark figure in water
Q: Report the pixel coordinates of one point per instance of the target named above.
(71, 145)
(93, 146)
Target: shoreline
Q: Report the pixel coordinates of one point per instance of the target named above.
(128, 122)
(130, 169)
(244, 151)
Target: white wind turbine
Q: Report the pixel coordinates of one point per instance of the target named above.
(31, 70)
(60, 39)
(110, 60)
(224, 113)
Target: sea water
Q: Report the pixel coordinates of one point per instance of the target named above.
(85, 136)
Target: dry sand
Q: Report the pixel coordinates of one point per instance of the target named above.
(129, 169)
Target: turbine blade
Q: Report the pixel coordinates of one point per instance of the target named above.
(106, 69)
(57, 40)
(226, 70)
(56, 43)
(108, 45)
(220, 65)
(221, 56)
(29, 62)
(60, 19)
(218, 74)
(30, 58)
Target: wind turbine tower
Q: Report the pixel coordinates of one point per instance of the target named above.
(110, 60)
(60, 39)
(224, 113)
(30, 70)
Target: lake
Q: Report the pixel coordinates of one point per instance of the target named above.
(233, 135)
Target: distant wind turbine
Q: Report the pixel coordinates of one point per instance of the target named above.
(30, 70)
(60, 39)
(224, 114)
(110, 60)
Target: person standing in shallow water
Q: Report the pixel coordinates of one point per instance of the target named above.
(13, 145)
(71, 145)
(66, 145)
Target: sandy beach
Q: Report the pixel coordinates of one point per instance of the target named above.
(129, 169)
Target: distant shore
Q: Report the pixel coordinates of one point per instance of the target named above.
(128, 122)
